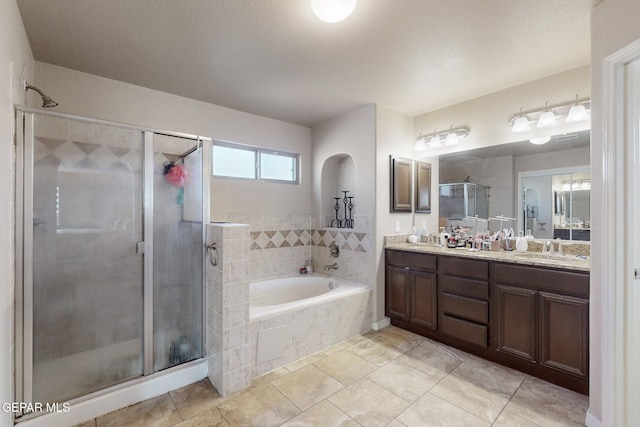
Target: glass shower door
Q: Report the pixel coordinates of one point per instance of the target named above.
(86, 294)
(178, 251)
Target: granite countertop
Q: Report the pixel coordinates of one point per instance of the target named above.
(530, 258)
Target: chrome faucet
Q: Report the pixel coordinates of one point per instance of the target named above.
(547, 248)
(333, 266)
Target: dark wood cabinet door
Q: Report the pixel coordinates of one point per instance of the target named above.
(564, 333)
(516, 315)
(424, 308)
(398, 293)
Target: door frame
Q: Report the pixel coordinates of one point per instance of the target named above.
(616, 273)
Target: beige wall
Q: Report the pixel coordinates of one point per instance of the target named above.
(353, 134)
(94, 96)
(614, 24)
(16, 65)
(394, 136)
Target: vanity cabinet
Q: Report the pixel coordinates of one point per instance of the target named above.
(531, 318)
(542, 322)
(411, 288)
(464, 299)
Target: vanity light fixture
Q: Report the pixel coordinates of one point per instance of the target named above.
(333, 10)
(451, 137)
(435, 139)
(577, 113)
(420, 144)
(520, 124)
(548, 116)
(576, 184)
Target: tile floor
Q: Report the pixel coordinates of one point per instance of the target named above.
(386, 378)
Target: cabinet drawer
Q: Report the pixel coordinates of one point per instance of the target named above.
(464, 267)
(564, 282)
(466, 308)
(464, 287)
(463, 330)
(417, 261)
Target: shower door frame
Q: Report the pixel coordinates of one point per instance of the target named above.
(23, 290)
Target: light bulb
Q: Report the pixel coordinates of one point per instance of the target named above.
(577, 113)
(452, 139)
(547, 119)
(333, 10)
(420, 145)
(521, 124)
(435, 140)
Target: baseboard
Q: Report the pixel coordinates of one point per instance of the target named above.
(382, 323)
(591, 420)
(133, 392)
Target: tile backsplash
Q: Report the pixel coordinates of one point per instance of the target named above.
(281, 244)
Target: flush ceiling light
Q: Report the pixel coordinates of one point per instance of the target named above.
(451, 136)
(333, 10)
(547, 119)
(541, 140)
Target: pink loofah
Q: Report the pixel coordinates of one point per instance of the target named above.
(177, 176)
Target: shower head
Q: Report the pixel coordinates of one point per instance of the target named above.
(46, 101)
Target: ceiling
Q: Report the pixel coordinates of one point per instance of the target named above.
(274, 58)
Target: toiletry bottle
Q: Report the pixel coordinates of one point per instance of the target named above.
(521, 243)
(309, 266)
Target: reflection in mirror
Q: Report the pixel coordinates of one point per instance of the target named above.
(500, 167)
(565, 213)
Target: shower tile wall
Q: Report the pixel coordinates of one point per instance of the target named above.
(228, 308)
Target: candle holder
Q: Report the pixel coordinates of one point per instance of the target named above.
(345, 221)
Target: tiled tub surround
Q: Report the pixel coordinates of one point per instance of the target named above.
(227, 336)
(269, 247)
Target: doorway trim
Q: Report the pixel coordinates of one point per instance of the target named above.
(613, 264)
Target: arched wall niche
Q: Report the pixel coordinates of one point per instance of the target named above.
(338, 175)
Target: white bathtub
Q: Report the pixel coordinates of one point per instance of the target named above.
(295, 316)
(268, 297)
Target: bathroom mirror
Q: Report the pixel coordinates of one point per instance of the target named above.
(498, 168)
(400, 185)
(423, 187)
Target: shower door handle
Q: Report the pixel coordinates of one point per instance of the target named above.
(140, 248)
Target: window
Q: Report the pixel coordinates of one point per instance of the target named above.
(237, 161)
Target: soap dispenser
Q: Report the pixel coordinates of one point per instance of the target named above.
(521, 243)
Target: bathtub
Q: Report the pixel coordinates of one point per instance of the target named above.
(295, 316)
(268, 297)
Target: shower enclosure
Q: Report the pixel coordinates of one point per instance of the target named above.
(109, 253)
